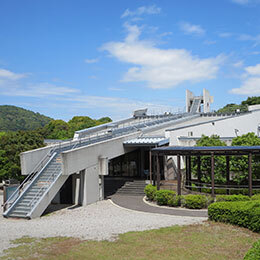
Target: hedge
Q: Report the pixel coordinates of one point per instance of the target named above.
(239, 197)
(150, 191)
(195, 201)
(242, 213)
(254, 252)
(164, 196)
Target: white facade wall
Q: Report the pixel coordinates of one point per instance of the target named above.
(227, 127)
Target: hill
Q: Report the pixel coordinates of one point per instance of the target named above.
(14, 118)
(230, 108)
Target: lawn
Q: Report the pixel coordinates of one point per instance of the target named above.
(205, 241)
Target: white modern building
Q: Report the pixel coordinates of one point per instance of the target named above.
(77, 171)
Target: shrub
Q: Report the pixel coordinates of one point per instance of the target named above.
(175, 201)
(241, 213)
(256, 197)
(232, 198)
(163, 196)
(150, 191)
(195, 201)
(254, 252)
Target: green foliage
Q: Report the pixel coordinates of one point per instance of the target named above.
(11, 145)
(255, 197)
(241, 213)
(59, 129)
(195, 201)
(232, 198)
(175, 201)
(251, 101)
(254, 252)
(231, 108)
(220, 167)
(163, 196)
(239, 164)
(14, 118)
(150, 191)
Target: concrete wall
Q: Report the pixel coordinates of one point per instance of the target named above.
(189, 97)
(87, 157)
(30, 159)
(223, 127)
(207, 100)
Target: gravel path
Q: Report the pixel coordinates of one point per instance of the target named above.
(99, 221)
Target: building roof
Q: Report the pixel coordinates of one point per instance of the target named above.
(147, 141)
(207, 150)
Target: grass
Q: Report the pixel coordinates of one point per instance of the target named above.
(211, 240)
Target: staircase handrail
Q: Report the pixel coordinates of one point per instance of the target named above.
(39, 191)
(28, 178)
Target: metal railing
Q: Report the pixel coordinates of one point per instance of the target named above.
(37, 169)
(41, 190)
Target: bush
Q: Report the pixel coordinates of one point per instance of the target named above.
(241, 213)
(256, 197)
(254, 252)
(232, 198)
(195, 201)
(175, 201)
(163, 196)
(150, 191)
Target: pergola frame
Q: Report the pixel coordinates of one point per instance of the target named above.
(204, 151)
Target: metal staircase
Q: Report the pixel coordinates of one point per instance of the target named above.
(195, 105)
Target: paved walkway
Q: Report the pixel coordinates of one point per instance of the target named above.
(137, 203)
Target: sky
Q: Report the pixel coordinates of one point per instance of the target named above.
(99, 58)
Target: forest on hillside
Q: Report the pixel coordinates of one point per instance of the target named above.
(14, 118)
(243, 106)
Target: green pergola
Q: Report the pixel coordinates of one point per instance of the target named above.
(202, 151)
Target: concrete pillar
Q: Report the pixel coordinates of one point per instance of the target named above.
(90, 185)
(101, 187)
(81, 187)
(75, 188)
(142, 162)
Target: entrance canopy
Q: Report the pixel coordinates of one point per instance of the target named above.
(147, 141)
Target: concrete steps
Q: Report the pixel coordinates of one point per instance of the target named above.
(135, 187)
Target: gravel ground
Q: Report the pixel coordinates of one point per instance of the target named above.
(100, 221)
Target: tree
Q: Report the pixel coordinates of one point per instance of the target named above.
(243, 107)
(14, 118)
(11, 145)
(251, 101)
(239, 164)
(231, 108)
(213, 140)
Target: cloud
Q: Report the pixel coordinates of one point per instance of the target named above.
(91, 60)
(251, 84)
(152, 9)
(116, 89)
(241, 2)
(9, 75)
(225, 35)
(253, 70)
(160, 68)
(247, 37)
(238, 64)
(11, 85)
(209, 42)
(39, 90)
(245, 2)
(188, 28)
